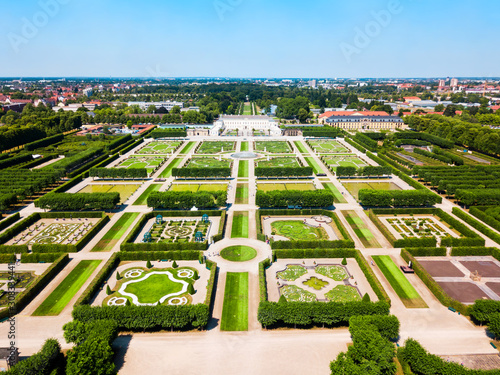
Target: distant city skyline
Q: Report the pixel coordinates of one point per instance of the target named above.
(250, 39)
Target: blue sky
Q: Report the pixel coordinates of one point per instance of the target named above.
(250, 38)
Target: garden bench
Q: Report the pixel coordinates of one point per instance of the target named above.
(452, 309)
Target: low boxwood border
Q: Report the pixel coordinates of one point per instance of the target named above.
(488, 232)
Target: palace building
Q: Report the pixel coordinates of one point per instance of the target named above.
(376, 120)
(245, 125)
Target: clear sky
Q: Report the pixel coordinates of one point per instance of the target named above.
(250, 38)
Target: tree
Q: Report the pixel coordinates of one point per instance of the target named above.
(129, 124)
(174, 264)
(303, 115)
(148, 264)
(175, 110)
(282, 299)
(191, 289)
(366, 298)
(118, 277)
(108, 290)
(439, 108)
(344, 262)
(93, 357)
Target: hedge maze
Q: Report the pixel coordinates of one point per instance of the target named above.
(178, 231)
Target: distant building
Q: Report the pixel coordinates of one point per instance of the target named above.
(365, 120)
(442, 83)
(323, 117)
(88, 91)
(168, 105)
(454, 82)
(313, 83)
(246, 124)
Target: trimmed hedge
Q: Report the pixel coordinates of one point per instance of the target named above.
(147, 318)
(427, 251)
(262, 279)
(338, 244)
(211, 282)
(14, 249)
(161, 246)
(43, 362)
(44, 142)
(477, 225)
(78, 201)
(475, 251)
(119, 172)
(202, 172)
(355, 145)
(283, 172)
(7, 258)
(398, 198)
(292, 314)
(40, 257)
(433, 286)
(183, 200)
(277, 198)
(222, 228)
(27, 295)
(483, 216)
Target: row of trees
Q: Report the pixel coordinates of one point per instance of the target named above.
(76, 202)
(283, 171)
(295, 198)
(364, 171)
(44, 362)
(398, 198)
(431, 138)
(478, 197)
(366, 141)
(168, 133)
(119, 172)
(201, 172)
(182, 200)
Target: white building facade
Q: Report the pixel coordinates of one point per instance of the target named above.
(246, 125)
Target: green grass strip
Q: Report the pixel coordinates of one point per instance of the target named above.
(239, 228)
(312, 163)
(339, 198)
(60, 297)
(241, 194)
(187, 148)
(403, 288)
(116, 232)
(301, 147)
(142, 200)
(243, 168)
(245, 146)
(364, 234)
(167, 172)
(235, 307)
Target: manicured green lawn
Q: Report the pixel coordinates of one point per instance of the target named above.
(201, 162)
(240, 225)
(279, 162)
(64, 292)
(355, 187)
(403, 288)
(327, 147)
(241, 194)
(153, 288)
(343, 293)
(286, 186)
(292, 272)
(343, 161)
(245, 146)
(300, 146)
(159, 147)
(364, 234)
(142, 200)
(243, 168)
(296, 230)
(235, 307)
(247, 109)
(315, 283)
(214, 147)
(116, 232)
(167, 172)
(187, 148)
(312, 163)
(339, 198)
(238, 253)
(125, 190)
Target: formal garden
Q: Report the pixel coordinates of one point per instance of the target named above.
(208, 163)
(327, 147)
(298, 230)
(125, 190)
(57, 231)
(332, 283)
(215, 147)
(143, 286)
(176, 230)
(273, 147)
(19, 280)
(151, 164)
(417, 226)
(332, 162)
(159, 148)
(279, 163)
